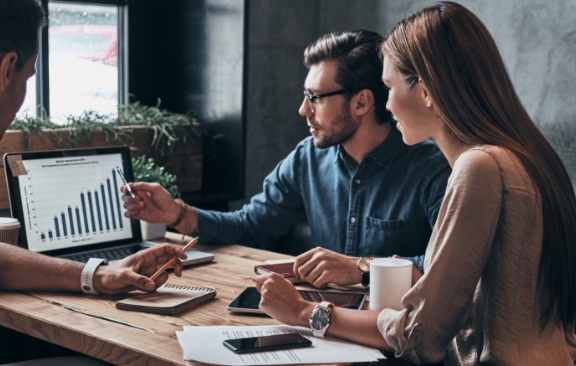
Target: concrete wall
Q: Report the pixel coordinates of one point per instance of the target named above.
(537, 39)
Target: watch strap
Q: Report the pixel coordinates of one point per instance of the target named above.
(324, 306)
(87, 277)
(365, 279)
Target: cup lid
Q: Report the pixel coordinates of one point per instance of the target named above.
(8, 223)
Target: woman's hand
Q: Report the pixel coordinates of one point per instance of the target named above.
(281, 300)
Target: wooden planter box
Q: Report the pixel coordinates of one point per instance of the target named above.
(186, 165)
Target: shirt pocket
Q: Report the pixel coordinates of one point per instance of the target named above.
(384, 237)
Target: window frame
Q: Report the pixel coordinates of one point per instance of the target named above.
(43, 64)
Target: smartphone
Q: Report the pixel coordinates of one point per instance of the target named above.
(267, 343)
(249, 299)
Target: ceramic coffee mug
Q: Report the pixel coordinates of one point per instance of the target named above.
(390, 279)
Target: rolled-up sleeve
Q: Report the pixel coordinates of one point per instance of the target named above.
(269, 214)
(439, 306)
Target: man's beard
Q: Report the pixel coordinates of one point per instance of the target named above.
(340, 130)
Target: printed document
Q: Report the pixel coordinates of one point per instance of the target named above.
(204, 344)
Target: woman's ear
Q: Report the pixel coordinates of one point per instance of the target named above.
(7, 69)
(426, 94)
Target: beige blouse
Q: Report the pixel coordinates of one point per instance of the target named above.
(475, 305)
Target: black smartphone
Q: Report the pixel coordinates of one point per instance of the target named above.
(249, 299)
(267, 343)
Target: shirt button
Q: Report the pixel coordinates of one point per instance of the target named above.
(352, 220)
(357, 181)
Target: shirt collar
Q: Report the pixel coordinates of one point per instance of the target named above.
(385, 153)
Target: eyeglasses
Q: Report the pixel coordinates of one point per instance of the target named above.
(312, 98)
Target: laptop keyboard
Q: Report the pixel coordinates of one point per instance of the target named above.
(111, 254)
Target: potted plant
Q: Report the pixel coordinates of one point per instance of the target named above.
(173, 139)
(145, 170)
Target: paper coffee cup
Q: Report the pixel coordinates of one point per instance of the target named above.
(390, 279)
(9, 229)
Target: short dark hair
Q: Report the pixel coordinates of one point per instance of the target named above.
(20, 22)
(359, 63)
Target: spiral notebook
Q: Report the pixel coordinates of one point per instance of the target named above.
(167, 299)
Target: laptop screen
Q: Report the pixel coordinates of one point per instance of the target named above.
(69, 199)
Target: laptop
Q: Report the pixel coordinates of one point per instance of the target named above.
(70, 206)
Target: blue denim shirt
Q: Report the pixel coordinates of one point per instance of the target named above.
(386, 205)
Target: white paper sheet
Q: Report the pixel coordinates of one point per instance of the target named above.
(204, 344)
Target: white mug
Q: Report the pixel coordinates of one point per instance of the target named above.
(390, 279)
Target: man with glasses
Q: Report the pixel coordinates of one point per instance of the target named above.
(363, 191)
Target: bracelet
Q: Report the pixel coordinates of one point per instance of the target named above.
(181, 215)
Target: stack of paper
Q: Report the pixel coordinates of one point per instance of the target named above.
(204, 344)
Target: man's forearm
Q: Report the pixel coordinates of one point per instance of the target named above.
(21, 269)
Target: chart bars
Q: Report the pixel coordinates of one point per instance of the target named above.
(84, 212)
(111, 203)
(97, 203)
(64, 231)
(91, 211)
(71, 220)
(78, 220)
(117, 198)
(105, 208)
(56, 226)
(98, 206)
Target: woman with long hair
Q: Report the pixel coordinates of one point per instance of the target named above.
(499, 286)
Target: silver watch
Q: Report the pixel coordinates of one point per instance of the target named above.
(87, 277)
(320, 318)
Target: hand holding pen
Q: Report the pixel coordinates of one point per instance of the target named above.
(128, 188)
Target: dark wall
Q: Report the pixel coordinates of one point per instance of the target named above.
(190, 55)
(536, 37)
(278, 33)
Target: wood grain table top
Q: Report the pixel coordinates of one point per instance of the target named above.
(133, 338)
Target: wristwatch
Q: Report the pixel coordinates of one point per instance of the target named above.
(320, 318)
(363, 265)
(86, 280)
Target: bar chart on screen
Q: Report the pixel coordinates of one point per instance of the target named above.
(73, 201)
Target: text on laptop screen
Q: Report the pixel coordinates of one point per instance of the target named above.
(73, 201)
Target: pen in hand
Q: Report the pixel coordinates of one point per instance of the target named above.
(173, 259)
(121, 174)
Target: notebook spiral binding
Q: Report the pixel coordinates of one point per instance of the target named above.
(179, 287)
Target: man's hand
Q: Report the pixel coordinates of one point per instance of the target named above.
(281, 301)
(152, 203)
(134, 272)
(320, 267)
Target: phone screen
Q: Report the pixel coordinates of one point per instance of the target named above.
(249, 299)
(267, 343)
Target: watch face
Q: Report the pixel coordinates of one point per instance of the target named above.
(320, 319)
(364, 264)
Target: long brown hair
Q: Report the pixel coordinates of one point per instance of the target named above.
(453, 53)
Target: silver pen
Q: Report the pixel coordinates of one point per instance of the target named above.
(130, 191)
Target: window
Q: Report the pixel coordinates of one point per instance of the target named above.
(80, 66)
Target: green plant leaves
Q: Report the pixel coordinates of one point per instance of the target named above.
(145, 170)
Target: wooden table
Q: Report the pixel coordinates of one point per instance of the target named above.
(36, 314)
